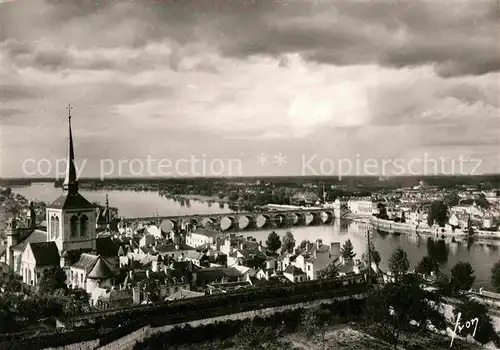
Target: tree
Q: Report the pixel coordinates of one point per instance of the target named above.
(443, 285)
(288, 243)
(495, 276)
(52, 279)
(273, 242)
(315, 320)
(304, 243)
(233, 197)
(451, 199)
(427, 265)
(398, 262)
(255, 336)
(438, 213)
(375, 255)
(472, 311)
(382, 211)
(462, 276)
(347, 251)
(329, 271)
(13, 283)
(482, 202)
(394, 306)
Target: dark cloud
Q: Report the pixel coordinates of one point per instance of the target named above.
(458, 38)
(8, 112)
(206, 67)
(16, 93)
(457, 42)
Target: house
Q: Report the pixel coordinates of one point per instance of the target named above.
(315, 257)
(198, 258)
(265, 274)
(201, 237)
(90, 272)
(37, 257)
(294, 274)
(147, 240)
(284, 260)
(205, 276)
(360, 206)
(175, 251)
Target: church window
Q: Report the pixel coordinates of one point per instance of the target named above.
(52, 227)
(55, 228)
(84, 225)
(73, 226)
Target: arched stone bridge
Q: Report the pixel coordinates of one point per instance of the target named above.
(243, 220)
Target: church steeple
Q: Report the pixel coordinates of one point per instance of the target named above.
(107, 210)
(70, 184)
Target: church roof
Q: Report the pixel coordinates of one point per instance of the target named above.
(71, 201)
(100, 270)
(45, 253)
(86, 262)
(35, 236)
(106, 247)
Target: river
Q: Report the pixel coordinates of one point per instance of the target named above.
(136, 204)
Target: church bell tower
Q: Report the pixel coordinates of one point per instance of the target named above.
(71, 219)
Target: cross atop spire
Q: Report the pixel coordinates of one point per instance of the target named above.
(70, 184)
(69, 108)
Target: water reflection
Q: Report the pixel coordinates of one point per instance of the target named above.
(437, 250)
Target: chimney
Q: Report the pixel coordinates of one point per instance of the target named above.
(335, 248)
(136, 295)
(318, 243)
(308, 246)
(241, 246)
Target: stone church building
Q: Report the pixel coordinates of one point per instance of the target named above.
(70, 241)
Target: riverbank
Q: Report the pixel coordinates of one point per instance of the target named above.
(202, 198)
(400, 228)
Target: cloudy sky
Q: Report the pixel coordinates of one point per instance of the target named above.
(226, 81)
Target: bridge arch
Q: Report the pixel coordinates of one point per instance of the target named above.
(279, 220)
(169, 225)
(227, 223)
(263, 221)
(327, 217)
(298, 219)
(246, 222)
(208, 222)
